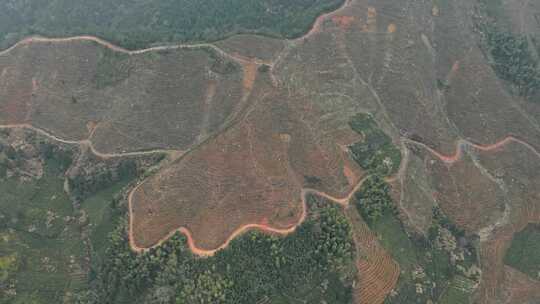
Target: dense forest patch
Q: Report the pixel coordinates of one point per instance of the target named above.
(514, 62)
(137, 24)
(524, 251)
(511, 54)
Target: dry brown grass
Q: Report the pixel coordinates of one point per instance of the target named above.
(239, 177)
(252, 173)
(471, 199)
(344, 22)
(482, 109)
(138, 101)
(521, 288)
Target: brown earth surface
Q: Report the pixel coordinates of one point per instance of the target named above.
(134, 100)
(253, 172)
(467, 194)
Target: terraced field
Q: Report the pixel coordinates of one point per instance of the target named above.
(378, 273)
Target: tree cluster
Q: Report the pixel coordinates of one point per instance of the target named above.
(374, 200)
(376, 151)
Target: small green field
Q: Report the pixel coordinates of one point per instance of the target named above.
(524, 251)
(375, 152)
(392, 236)
(459, 291)
(103, 215)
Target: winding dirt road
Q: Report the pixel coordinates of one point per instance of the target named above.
(266, 228)
(34, 39)
(345, 201)
(88, 143)
(116, 48)
(462, 144)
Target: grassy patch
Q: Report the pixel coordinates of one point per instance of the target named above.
(394, 239)
(103, 215)
(376, 152)
(458, 291)
(524, 251)
(8, 265)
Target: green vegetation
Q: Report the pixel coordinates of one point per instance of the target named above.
(374, 199)
(376, 152)
(511, 55)
(312, 265)
(140, 23)
(441, 267)
(45, 240)
(459, 291)
(40, 244)
(514, 62)
(524, 251)
(8, 265)
(83, 186)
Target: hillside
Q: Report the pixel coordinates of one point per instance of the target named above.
(366, 151)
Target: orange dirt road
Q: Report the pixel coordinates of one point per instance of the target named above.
(342, 201)
(461, 144)
(264, 227)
